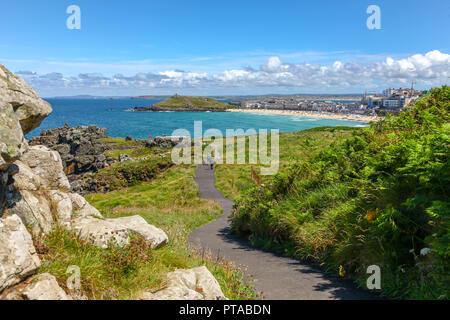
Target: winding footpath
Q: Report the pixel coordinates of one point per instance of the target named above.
(280, 278)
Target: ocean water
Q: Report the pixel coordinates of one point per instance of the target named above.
(112, 114)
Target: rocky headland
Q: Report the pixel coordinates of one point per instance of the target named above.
(179, 103)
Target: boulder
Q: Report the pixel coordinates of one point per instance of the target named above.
(103, 232)
(12, 141)
(45, 287)
(82, 208)
(124, 157)
(188, 284)
(29, 108)
(80, 147)
(18, 257)
(34, 208)
(47, 165)
(155, 236)
(39, 193)
(61, 203)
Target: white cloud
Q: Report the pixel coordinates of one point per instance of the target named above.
(430, 69)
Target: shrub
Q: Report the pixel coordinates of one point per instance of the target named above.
(379, 197)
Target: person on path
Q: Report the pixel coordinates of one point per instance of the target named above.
(209, 161)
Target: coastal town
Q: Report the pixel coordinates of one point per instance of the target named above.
(370, 104)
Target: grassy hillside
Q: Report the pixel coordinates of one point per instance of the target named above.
(379, 197)
(170, 202)
(194, 103)
(234, 179)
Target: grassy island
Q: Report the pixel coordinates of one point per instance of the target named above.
(185, 103)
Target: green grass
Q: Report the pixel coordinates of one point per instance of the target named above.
(376, 197)
(193, 103)
(170, 202)
(233, 180)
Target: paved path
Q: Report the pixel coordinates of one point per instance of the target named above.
(280, 278)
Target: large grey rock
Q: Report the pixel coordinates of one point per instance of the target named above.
(29, 108)
(47, 165)
(34, 208)
(80, 148)
(100, 233)
(12, 141)
(188, 284)
(82, 208)
(155, 236)
(123, 157)
(39, 192)
(18, 257)
(45, 287)
(103, 232)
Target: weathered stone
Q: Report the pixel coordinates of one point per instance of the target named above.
(12, 141)
(155, 236)
(61, 205)
(29, 108)
(124, 157)
(168, 141)
(45, 287)
(188, 284)
(80, 148)
(39, 192)
(47, 165)
(102, 233)
(18, 257)
(82, 208)
(34, 208)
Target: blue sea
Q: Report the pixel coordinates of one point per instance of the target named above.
(112, 114)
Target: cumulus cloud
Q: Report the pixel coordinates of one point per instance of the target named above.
(429, 69)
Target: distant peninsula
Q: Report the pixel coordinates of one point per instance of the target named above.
(185, 103)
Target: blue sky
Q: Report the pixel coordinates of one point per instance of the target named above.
(224, 47)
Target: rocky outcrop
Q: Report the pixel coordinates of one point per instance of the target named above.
(80, 147)
(28, 107)
(12, 141)
(45, 287)
(105, 232)
(155, 236)
(21, 110)
(39, 192)
(188, 284)
(123, 157)
(18, 257)
(41, 287)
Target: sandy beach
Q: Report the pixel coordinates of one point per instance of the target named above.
(311, 114)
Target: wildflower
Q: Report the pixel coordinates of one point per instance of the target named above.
(434, 234)
(371, 215)
(425, 251)
(411, 251)
(341, 271)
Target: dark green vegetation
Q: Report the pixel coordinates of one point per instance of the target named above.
(130, 173)
(146, 164)
(185, 103)
(171, 202)
(379, 197)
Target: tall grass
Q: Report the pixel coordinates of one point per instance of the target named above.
(378, 197)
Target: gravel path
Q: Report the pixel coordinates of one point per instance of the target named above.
(280, 278)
